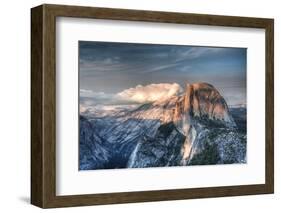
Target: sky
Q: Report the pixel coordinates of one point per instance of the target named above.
(145, 72)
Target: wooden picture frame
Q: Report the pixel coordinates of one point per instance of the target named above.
(43, 105)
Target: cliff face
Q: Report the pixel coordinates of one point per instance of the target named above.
(203, 101)
(192, 129)
(93, 154)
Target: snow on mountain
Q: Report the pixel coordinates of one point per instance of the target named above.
(93, 152)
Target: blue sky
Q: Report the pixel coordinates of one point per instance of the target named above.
(110, 68)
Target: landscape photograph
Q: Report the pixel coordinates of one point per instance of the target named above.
(158, 105)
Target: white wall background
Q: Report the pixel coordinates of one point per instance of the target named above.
(15, 105)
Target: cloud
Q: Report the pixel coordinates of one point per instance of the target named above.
(156, 68)
(196, 52)
(185, 68)
(91, 94)
(88, 98)
(139, 94)
(150, 93)
(86, 93)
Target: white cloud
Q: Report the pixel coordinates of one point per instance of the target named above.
(150, 93)
(139, 94)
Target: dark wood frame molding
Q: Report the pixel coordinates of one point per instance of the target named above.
(43, 105)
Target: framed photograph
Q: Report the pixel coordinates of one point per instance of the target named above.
(135, 106)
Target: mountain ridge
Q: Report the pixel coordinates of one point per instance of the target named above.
(191, 118)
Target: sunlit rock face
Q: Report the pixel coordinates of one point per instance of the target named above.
(202, 101)
(194, 128)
